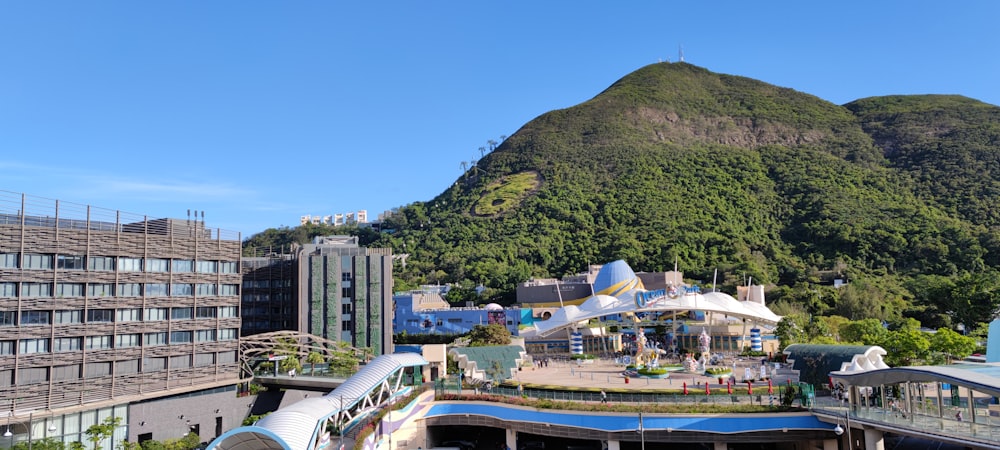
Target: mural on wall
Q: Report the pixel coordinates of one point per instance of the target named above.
(496, 317)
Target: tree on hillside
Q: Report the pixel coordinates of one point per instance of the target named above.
(791, 330)
(975, 298)
(865, 332)
(952, 344)
(905, 347)
(833, 324)
(492, 334)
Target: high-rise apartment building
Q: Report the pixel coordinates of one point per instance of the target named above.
(331, 288)
(104, 313)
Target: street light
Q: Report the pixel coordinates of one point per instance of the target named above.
(838, 430)
(642, 432)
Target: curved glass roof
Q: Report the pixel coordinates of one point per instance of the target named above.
(294, 427)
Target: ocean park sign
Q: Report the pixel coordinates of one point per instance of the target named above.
(647, 298)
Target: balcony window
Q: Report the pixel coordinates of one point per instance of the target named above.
(182, 265)
(100, 289)
(70, 262)
(69, 316)
(157, 265)
(101, 263)
(35, 318)
(35, 261)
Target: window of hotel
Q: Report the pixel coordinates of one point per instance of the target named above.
(98, 342)
(127, 367)
(205, 312)
(67, 344)
(96, 369)
(227, 311)
(69, 316)
(8, 260)
(70, 262)
(127, 340)
(156, 314)
(227, 334)
(26, 346)
(7, 347)
(8, 289)
(157, 265)
(180, 362)
(100, 315)
(227, 357)
(154, 364)
(152, 339)
(34, 261)
(204, 359)
(100, 289)
(180, 337)
(36, 289)
(129, 264)
(180, 313)
(63, 373)
(156, 289)
(130, 290)
(32, 375)
(229, 289)
(34, 318)
(207, 266)
(101, 263)
(228, 267)
(204, 335)
(182, 265)
(181, 289)
(206, 289)
(8, 318)
(129, 315)
(69, 290)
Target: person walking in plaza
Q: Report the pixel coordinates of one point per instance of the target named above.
(604, 396)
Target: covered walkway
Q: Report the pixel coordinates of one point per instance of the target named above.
(955, 403)
(312, 423)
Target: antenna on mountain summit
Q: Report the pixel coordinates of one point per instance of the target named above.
(680, 53)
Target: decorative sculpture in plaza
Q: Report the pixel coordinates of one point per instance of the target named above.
(704, 345)
(640, 348)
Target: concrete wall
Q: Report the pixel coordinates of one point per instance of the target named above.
(172, 417)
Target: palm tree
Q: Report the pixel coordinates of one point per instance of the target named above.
(313, 358)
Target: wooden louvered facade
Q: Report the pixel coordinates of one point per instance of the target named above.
(75, 333)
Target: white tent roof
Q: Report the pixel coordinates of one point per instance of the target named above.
(602, 305)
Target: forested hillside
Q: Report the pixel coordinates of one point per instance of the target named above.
(677, 164)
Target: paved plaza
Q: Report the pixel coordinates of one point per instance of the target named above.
(604, 373)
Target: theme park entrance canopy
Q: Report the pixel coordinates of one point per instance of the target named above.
(619, 291)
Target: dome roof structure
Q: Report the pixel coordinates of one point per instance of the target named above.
(617, 290)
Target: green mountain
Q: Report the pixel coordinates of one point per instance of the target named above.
(674, 164)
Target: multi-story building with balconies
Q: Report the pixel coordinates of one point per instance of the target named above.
(103, 313)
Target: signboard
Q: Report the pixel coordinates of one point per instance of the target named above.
(276, 358)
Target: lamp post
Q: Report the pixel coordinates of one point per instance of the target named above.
(840, 430)
(642, 433)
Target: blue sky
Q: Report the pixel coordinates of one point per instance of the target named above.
(260, 112)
